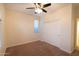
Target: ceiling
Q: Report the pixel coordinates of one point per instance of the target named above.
(21, 7)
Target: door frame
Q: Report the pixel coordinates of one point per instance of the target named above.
(75, 34)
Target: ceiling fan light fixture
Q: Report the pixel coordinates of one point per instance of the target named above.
(38, 10)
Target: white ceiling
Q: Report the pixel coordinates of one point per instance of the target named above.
(21, 7)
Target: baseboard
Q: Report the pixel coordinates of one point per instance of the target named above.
(70, 51)
(2, 51)
(23, 43)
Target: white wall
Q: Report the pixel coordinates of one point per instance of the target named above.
(57, 28)
(19, 28)
(2, 41)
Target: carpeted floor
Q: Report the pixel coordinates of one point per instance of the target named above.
(37, 48)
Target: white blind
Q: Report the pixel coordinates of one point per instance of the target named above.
(35, 24)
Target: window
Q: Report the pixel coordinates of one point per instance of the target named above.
(35, 25)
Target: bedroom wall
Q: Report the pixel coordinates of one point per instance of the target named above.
(2, 39)
(19, 28)
(57, 28)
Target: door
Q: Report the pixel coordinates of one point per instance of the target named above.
(53, 30)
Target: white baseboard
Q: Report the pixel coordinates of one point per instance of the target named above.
(2, 51)
(22, 43)
(68, 51)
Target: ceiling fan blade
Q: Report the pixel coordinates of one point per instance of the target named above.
(46, 5)
(30, 8)
(44, 10)
(39, 4)
(35, 5)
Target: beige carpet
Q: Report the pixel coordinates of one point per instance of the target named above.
(37, 48)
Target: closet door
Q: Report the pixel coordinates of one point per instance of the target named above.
(55, 32)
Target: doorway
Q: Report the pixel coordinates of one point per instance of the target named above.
(77, 35)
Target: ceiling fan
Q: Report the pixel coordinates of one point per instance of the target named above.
(39, 7)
